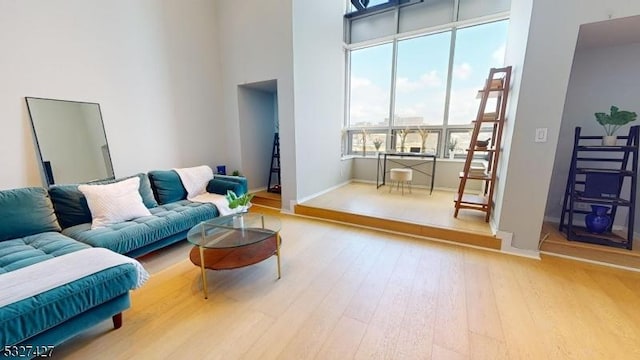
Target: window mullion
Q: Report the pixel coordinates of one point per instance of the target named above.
(392, 102)
(447, 98)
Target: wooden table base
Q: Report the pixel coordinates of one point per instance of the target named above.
(233, 258)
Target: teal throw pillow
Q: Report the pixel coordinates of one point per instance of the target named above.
(24, 212)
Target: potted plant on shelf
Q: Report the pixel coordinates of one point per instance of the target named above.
(453, 144)
(612, 122)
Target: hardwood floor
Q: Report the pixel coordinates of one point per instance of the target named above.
(353, 293)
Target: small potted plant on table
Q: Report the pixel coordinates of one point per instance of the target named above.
(242, 203)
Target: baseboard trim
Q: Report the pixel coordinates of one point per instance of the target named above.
(602, 263)
(313, 196)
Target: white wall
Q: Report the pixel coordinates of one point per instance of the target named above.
(257, 126)
(319, 67)
(256, 38)
(518, 36)
(541, 95)
(155, 78)
(600, 77)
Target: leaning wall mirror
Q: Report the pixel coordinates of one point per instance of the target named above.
(70, 141)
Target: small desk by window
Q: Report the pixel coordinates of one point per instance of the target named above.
(397, 158)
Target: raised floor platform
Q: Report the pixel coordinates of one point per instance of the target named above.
(417, 213)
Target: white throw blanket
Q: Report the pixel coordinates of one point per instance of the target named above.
(219, 201)
(46, 275)
(195, 180)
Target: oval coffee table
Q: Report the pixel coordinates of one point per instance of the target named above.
(234, 241)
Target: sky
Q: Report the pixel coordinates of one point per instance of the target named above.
(422, 76)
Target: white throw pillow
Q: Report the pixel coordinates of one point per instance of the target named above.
(195, 179)
(114, 203)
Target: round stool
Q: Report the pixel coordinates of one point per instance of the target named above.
(401, 176)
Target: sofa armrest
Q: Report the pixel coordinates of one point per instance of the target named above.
(220, 186)
(236, 179)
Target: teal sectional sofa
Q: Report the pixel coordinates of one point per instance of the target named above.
(37, 225)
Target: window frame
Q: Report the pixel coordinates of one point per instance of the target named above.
(445, 130)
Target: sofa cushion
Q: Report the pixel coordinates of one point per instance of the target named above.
(24, 251)
(165, 220)
(241, 180)
(218, 186)
(71, 205)
(29, 317)
(167, 186)
(25, 212)
(114, 203)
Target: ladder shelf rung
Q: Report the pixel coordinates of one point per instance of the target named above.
(481, 149)
(604, 171)
(603, 201)
(578, 211)
(606, 148)
(471, 199)
(599, 159)
(472, 176)
(581, 234)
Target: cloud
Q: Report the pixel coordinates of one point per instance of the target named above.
(462, 71)
(369, 102)
(430, 79)
(357, 82)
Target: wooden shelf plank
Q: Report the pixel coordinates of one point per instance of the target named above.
(471, 199)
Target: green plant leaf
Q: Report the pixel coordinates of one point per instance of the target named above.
(235, 200)
(615, 119)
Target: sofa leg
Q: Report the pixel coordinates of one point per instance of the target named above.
(117, 320)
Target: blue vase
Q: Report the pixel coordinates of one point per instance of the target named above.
(598, 221)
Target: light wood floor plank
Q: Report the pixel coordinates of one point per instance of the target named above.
(316, 329)
(289, 322)
(418, 325)
(344, 340)
(365, 302)
(523, 338)
(384, 328)
(452, 329)
(482, 308)
(487, 348)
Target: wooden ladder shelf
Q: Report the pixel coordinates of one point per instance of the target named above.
(497, 86)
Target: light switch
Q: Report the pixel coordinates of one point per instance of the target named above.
(541, 135)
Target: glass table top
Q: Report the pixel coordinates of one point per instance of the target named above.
(234, 231)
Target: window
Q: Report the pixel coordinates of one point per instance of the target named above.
(420, 91)
(477, 49)
(370, 94)
(421, 80)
